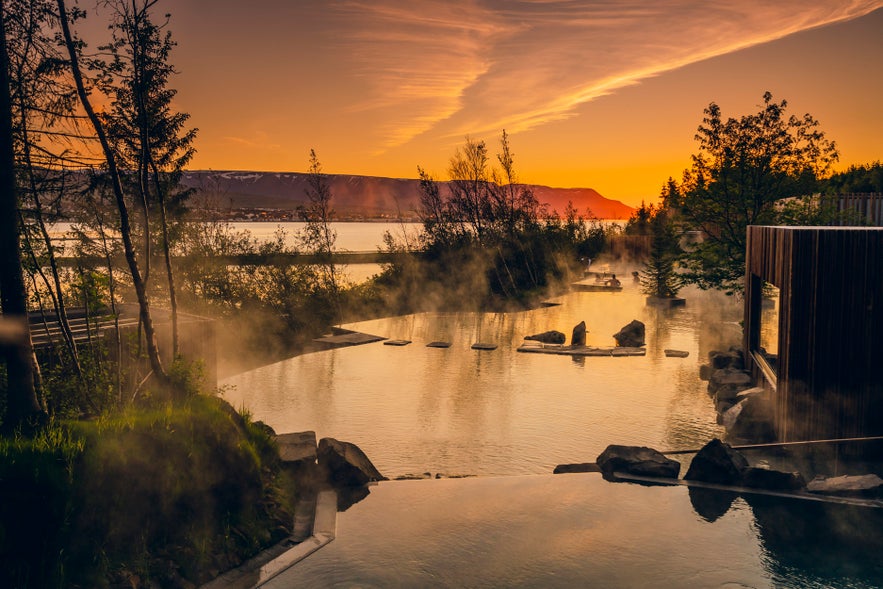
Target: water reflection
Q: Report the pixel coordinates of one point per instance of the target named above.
(581, 531)
(462, 411)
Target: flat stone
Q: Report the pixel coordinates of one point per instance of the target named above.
(628, 351)
(676, 354)
(579, 467)
(397, 342)
(483, 346)
(537, 348)
(666, 301)
(350, 338)
(869, 484)
(438, 345)
(296, 447)
(752, 392)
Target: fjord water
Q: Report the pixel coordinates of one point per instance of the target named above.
(460, 411)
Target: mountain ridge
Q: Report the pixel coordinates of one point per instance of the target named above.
(358, 196)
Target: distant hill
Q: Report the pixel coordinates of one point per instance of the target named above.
(364, 196)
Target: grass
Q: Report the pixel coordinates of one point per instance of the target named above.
(170, 495)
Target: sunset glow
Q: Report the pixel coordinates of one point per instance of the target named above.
(601, 94)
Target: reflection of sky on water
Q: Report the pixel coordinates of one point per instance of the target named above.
(581, 531)
(461, 411)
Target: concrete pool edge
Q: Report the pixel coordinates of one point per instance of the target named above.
(259, 570)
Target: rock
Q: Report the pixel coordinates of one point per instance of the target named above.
(637, 460)
(751, 418)
(850, 485)
(717, 462)
(676, 354)
(705, 372)
(729, 359)
(548, 337)
(772, 480)
(729, 376)
(297, 447)
(752, 392)
(580, 467)
(631, 335)
(730, 392)
(346, 464)
(578, 337)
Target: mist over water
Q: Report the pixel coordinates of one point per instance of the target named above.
(460, 411)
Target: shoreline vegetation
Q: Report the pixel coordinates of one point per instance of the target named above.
(120, 468)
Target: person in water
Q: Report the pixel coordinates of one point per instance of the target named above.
(613, 281)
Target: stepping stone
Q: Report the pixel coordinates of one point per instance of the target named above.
(676, 354)
(397, 342)
(628, 351)
(438, 345)
(481, 346)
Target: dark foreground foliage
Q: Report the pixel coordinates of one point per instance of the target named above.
(167, 497)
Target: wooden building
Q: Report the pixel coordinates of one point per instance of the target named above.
(822, 359)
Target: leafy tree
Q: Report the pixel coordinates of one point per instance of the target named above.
(743, 167)
(856, 179)
(73, 48)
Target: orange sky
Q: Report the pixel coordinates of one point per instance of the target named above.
(600, 94)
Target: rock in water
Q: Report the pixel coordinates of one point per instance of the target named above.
(346, 464)
(637, 460)
(630, 336)
(717, 462)
(578, 338)
(548, 337)
(869, 485)
(773, 480)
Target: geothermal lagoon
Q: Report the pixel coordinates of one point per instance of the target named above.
(504, 419)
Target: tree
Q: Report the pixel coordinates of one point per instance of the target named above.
(73, 48)
(319, 237)
(148, 135)
(22, 405)
(742, 168)
(659, 277)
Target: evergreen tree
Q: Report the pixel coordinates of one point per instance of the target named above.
(659, 278)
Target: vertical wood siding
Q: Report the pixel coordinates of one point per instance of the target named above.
(830, 364)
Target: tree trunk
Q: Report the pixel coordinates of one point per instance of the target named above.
(21, 401)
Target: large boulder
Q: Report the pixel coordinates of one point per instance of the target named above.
(631, 335)
(637, 460)
(578, 337)
(345, 463)
(548, 337)
(751, 418)
(717, 462)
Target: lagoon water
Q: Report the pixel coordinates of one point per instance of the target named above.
(508, 418)
(460, 411)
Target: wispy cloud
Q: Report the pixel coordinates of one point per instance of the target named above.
(470, 66)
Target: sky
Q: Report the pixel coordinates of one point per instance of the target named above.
(602, 94)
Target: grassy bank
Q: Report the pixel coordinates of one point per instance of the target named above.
(163, 497)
